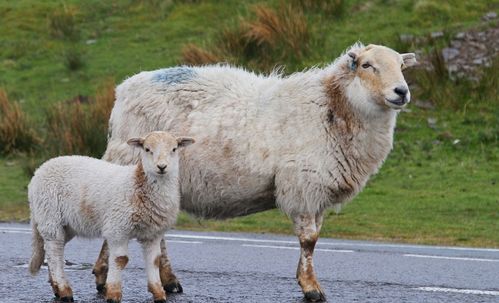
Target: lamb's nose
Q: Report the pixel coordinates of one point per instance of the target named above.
(161, 167)
(401, 91)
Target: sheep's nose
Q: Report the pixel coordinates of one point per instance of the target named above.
(161, 167)
(401, 91)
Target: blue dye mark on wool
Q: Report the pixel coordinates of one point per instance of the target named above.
(174, 75)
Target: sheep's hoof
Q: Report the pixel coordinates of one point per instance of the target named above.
(66, 299)
(173, 287)
(315, 296)
(113, 301)
(101, 288)
(160, 301)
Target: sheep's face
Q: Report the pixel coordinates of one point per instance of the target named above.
(159, 151)
(378, 77)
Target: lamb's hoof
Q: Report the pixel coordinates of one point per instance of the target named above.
(315, 296)
(160, 301)
(113, 301)
(101, 288)
(173, 287)
(66, 299)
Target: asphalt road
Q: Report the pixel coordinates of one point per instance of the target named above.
(234, 267)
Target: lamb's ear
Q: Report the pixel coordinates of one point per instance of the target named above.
(185, 141)
(137, 142)
(352, 63)
(409, 59)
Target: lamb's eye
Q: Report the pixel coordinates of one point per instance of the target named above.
(366, 65)
(147, 150)
(174, 149)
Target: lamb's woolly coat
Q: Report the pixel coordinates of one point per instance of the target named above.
(303, 142)
(76, 195)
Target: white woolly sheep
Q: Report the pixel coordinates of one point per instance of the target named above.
(81, 196)
(303, 143)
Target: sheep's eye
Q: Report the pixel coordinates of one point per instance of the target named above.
(366, 65)
(147, 150)
(174, 149)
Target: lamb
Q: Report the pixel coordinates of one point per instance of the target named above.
(302, 143)
(81, 196)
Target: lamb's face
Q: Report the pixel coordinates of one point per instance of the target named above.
(378, 76)
(159, 151)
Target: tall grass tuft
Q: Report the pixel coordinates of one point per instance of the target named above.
(282, 32)
(271, 35)
(62, 23)
(195, 55)
(76, 128)
(16, 131)
(73, 58)
(335, 8)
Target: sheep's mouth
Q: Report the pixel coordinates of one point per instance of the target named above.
(161, 172)
(396, 103)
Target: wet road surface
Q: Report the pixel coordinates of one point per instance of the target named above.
(234, 267)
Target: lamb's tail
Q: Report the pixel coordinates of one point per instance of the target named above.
(38, 254)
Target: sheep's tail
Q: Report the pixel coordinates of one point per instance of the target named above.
(38, 254)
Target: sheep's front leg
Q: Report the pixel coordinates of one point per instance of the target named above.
(55, 257)
(152, 256)
(118, 259)
(307, 228)
(168, 278)
(101, 268)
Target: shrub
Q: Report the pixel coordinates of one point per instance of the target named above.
(16, 133)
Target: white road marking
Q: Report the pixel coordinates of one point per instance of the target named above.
(462, 291)
(451, 258)
(25, 231)
(15, 232)
(338, 243)
(186, 242)
(297, 248)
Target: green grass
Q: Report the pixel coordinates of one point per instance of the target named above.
(430, 190)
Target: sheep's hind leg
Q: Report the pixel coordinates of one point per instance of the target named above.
(307, 228)
(55, 257)
(101, 267)
(168, 279)
(118, 255)
(152, 257)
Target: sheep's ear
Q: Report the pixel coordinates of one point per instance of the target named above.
(137, 142)
(409, 59)
(185, 141)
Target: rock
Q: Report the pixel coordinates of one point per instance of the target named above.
(436, 35)
(406, 38)
(91, 41)
(460, 35)
(424, 104)
(478, 61)
(449, 53)
(432, 122)
(489, 16)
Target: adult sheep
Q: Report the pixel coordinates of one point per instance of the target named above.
(303, 143)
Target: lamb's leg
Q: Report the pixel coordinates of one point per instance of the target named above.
(118, 256)
(54, 250)
(101, 267)
(307, 228)
(152, 256)
(168, 278)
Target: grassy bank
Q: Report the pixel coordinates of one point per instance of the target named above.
(439, 185)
